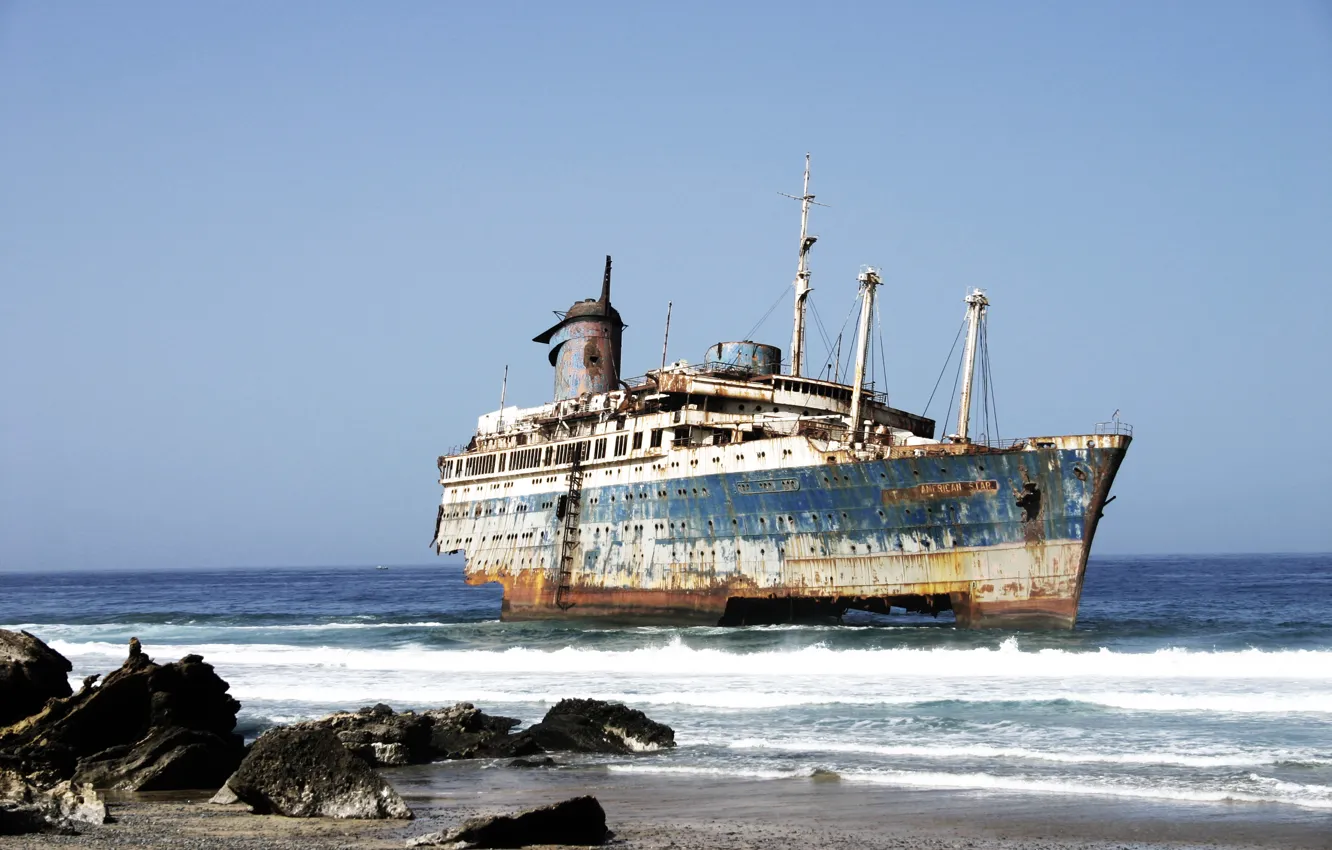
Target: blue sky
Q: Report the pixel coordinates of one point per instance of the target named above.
(261, 263)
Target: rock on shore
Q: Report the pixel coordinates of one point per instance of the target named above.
(379, 736)
(594, 726)
(147, 726)
(30, 674)
(580, 820)
(305, 772)
(26, 808)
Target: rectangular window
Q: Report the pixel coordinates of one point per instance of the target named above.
(621, 444)
(502, 458)
(549, 450)
(599, 449)
(656, 438)
(638, 439)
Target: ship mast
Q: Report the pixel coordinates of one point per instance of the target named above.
(869, 279)
(802, 275)
(976, 304)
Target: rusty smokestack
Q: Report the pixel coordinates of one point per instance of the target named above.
(605, 287)
(585, 345)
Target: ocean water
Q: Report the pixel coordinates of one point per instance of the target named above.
(1203, 679)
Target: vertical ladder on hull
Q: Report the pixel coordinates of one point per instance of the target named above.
(571, 507)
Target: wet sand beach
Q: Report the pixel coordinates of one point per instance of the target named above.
(653, 812)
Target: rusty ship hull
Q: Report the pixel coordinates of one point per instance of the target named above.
(998, 536)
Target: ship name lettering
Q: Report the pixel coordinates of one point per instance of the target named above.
(941, 490)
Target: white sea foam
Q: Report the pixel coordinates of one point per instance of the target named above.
(335, 691)
(149, 628)
(985, 751)
(1166, 681)
(678, 659)
(1308, 796)
(723, 772)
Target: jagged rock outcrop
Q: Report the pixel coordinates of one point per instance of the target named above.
(307, 772)
(26, 808)
(30, 674)
(379, 736)
(166, 726)
(463, 731)
(577, 821)
(167, 759)
(594, 726)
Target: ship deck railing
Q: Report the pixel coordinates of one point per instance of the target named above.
(1114, 427)
(1016, 443)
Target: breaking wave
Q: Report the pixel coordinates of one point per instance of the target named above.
(677, 659)
(674, 674)
(985, 751)
(1264, 790)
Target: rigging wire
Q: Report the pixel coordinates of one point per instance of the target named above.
(754, 329)
(985, 383)
(828, 364)
(869, 344)
(883, 348)
(823, 332)
(948, 414)
(948, 360)
(989, 379)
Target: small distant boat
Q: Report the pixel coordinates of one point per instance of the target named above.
(381, 567)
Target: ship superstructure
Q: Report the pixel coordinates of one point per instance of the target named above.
(735, 492)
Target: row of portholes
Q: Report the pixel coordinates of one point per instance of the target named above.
(497, 564)
(515, 536)
(660, 494)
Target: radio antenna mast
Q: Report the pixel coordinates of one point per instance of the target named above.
(802, 289)
(665, 338)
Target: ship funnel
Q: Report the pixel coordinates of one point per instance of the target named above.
(585, 345)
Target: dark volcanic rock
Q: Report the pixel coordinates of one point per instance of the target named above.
(577, 821)
(139, 698)
(304, 772)
(168, 759)
(593, 726)
(379, 736)
(30, 674)
(463, 731)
